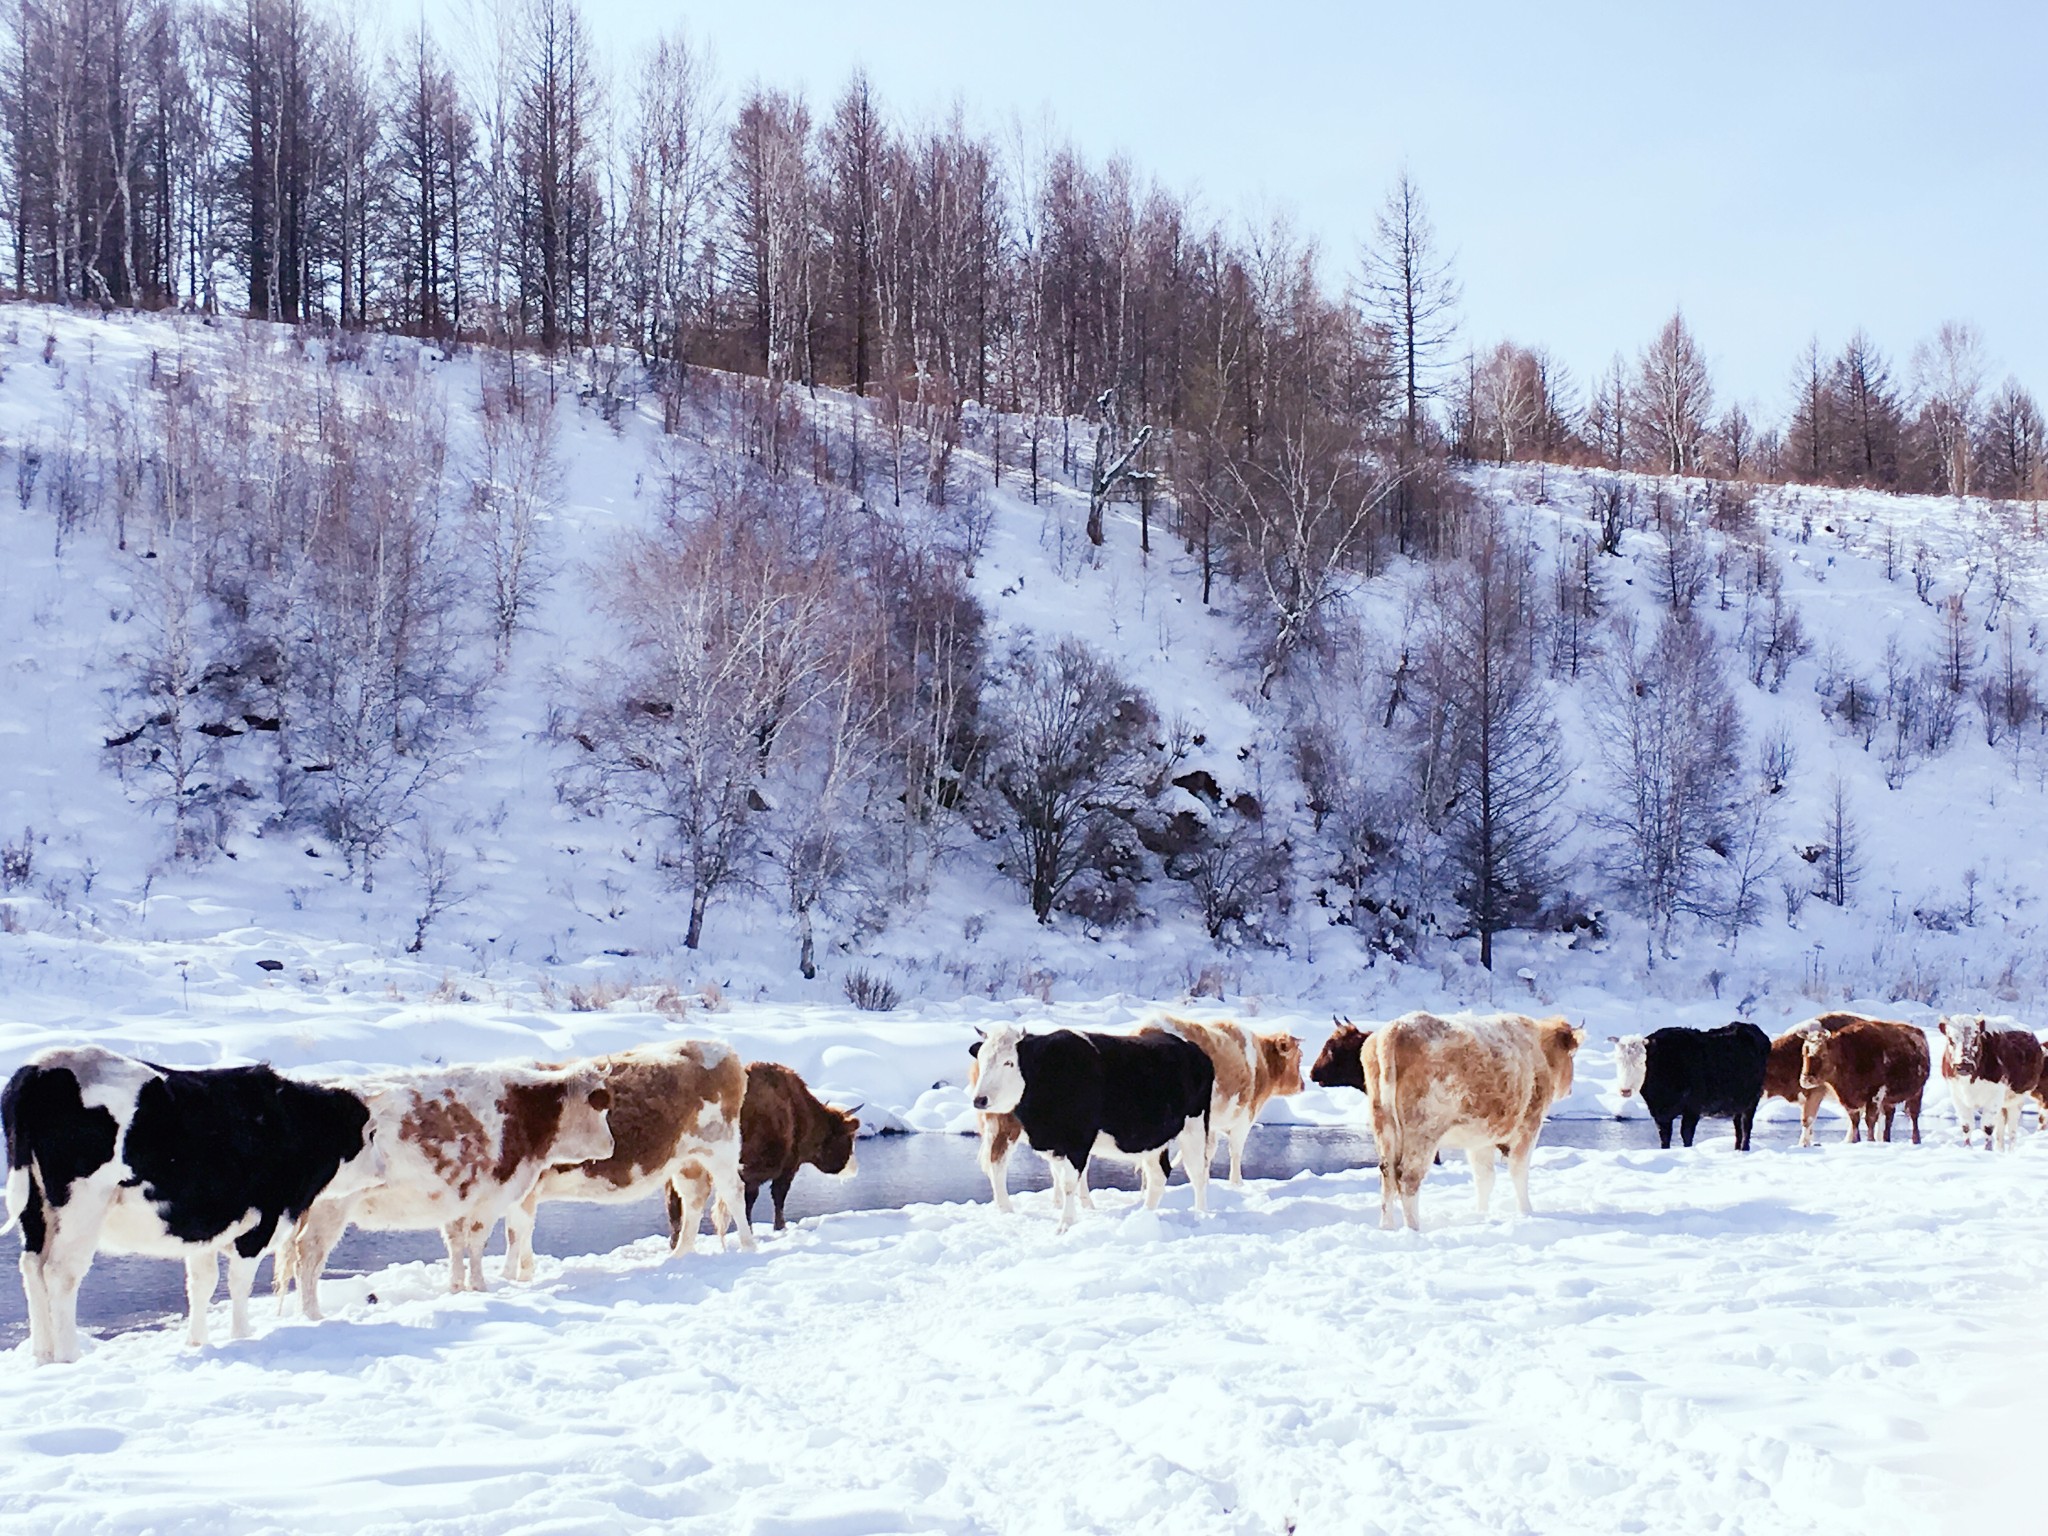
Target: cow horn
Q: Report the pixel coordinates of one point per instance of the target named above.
(853, 1109)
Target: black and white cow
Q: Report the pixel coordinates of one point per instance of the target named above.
(104, 1151)
(1079, 1095)
(1683, 1074)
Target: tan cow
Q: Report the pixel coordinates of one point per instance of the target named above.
(1251, 1069)
(1870, 1065)
(675, 1120)
(461, 1146)
(1480, 1082)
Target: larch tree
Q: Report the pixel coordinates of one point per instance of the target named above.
(1672, 400)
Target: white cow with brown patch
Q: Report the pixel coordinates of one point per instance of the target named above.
(462, 1146)
(1480, 1082)
(1251, 1070)
(675, 1124)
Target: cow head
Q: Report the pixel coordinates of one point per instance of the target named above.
(1631, 1063)
(1962, 1043)
(1811, 1050)
(836, 1140)
(1280, 1054)
(1338, 1064)
(999, 1074)
(1560, 1045)
(584, 1134)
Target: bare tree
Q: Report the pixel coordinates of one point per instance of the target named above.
(1669, 736)
(1487, 716)
(1841, 862)
(1948, 373)
(1671, 401)
(515, 488)
(1411, 294)
(1070, 758)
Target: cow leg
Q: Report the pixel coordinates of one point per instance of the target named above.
(1745, 1128)
(997, 1167)
(519, 1224)
(1481, 1159)
(1415, 1164)
(1387, 1143)
(241, 1281)
(1689, 1126)
(778, 1191)
(1809, 1110)
(689, 1191)
(202, 1275)
(1518, 1171)
(1066, 1181)
(737, 1195)
(1194, 1139)
(1912, 1107)
(37, 1295)
(312, 1241)
(1664, 1132)
(1236, 1137)
(1081, 1184)
(1152, 1181)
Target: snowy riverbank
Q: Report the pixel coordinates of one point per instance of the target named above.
(1784, 1341)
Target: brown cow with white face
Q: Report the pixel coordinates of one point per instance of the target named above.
(1991, 1069)
(461, 1147)
(1472, 1081)
(783, 1126)
(675, 1106)
(1251, 1070)
(1870, 1065)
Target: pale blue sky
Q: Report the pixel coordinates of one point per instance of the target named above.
(1778, 169)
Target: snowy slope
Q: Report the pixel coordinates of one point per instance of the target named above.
(1786, 1339)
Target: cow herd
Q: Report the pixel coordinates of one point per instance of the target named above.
(107, 1152)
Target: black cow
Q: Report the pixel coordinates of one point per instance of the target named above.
(1080, 1095)
(1683, 1074)
(104, 1151)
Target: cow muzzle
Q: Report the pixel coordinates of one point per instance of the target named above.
(981, 1101)
(1628, 1093)
(1808, 1083)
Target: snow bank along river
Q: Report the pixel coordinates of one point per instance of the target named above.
(1787, 1340)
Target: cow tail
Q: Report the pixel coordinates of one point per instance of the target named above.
(17, 1199)
(19, 1156)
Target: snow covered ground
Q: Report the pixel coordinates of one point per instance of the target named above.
(1783, 1342)
(1820, 1341)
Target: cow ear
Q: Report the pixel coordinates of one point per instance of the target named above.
(974, 1049)
(1942, 1026)
(1614, 1039)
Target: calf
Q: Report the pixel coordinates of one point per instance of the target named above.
(1251, 1069)
(675, 1118)
(1683, 1074)
(462, 1146)
(1479, 1082)
(1080, 1095)
(782, 1127)
(1869, 1065)
(104, 1151)
(1990, 1071)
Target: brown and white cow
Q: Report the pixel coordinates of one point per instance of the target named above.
(1479, 1082)
(461, 1146)
(1782, 1071)
(1870, 1065)
(1251, 1070)
(675, 1106)
(1991, 1069)
(783, 1126)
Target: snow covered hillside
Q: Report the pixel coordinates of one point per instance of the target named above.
(206, 858)
(527, 903)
